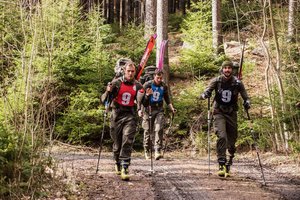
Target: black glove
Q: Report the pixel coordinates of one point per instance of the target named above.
(246, 104)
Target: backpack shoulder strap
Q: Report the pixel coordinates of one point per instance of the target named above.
(219, 83)
(117, 84)
(237, 83)
(148, 83)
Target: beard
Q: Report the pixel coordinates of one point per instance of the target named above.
(227, 74)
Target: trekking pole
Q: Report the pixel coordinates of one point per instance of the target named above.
(103, 129)
(256, 149)
(208, 133)
(150, 135)
(169, 128)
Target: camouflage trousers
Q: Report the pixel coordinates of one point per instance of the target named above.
(122, 131)
(157, 127)
(225, 126)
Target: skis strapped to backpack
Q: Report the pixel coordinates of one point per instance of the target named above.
(148, 50)
(150, 70)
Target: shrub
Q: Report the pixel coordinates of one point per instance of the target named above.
(133, 49)
(21, 166)
(82, 121)
(197, 54)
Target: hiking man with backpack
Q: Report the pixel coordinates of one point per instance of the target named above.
(123, 92)
(155, 92)
(226, 87)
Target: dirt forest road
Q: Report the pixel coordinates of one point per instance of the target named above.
(177, 176)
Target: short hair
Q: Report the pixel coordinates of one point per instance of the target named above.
(129, 63)
(227, 63)
(158, 72)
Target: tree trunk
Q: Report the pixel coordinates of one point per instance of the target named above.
(183, 6)
(162, 34)
(291, 20)
(188, 4)
(142, 11)
(217, 26)
(136, 12)
(110, 11)
(117, 10)
(131, 10)
(84, 4)
(150, 17)
(122, 13)
(177, 4)
(126, 11)
(105, 10)
(171, 6)
(237, 21)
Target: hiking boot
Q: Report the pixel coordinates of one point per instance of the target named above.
(230, 160)
(125, 173)
(227, 172)
(118, 169)
(158, 155)
(147, 155)
(222, 170)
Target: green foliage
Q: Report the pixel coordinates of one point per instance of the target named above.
(8, 153)
(262, 128)
(295, 146)
(174, 22)
(53, 59)
(132, 44)
(80, 58)
(258, 136)
(292, 116)
(248, 68)
(197, 54)
(228, 14)
(187, 105)
(82, 66)
(186, 102)
(10, 34)
(201, 140)
(82, 121)
(20, 165)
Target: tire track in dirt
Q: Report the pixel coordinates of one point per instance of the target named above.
(188, 179)
(174, 177)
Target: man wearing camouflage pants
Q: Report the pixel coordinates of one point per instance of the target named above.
(226, 87)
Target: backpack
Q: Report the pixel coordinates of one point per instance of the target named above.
(119, 68)
(148, 74)
(235, 68)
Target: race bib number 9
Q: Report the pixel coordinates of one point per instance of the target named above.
(155, 96)
(126, 98)
(226, 96)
